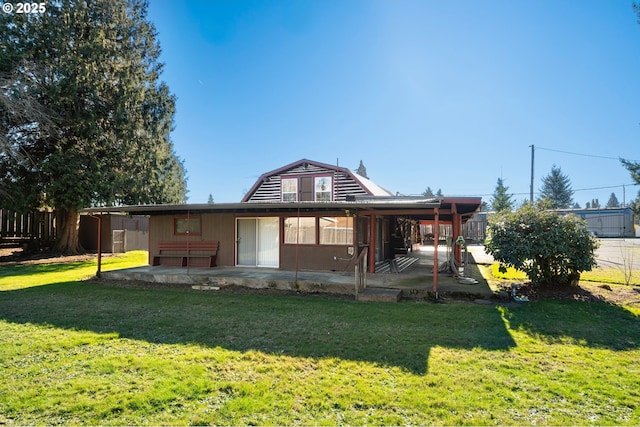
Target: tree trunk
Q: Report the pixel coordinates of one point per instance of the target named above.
(68, 226)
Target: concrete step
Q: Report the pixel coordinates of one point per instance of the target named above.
(379, 295)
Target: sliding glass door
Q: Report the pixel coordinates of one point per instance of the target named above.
(258, 242)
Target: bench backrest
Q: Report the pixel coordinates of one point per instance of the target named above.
(191, 246)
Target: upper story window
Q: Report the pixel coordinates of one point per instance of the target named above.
(290, 189)
(307, 188)
(323, 188)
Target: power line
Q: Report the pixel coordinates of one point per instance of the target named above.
(537, 192)
(584, 155)
(609, 186)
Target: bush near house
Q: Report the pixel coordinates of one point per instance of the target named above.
(548, 247)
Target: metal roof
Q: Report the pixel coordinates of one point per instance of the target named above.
(418, 208)
(265, 207)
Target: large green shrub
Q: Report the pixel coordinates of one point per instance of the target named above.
(548, 247)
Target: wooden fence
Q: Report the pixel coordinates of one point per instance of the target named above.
(18, 228)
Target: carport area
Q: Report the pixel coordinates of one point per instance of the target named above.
(415, 282)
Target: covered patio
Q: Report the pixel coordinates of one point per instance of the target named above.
(286, 247)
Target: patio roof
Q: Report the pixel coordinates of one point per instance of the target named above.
(418, 208)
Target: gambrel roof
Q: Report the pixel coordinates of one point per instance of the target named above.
(345, 182)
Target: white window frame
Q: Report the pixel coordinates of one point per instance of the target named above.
(289, 195)
(329, 190)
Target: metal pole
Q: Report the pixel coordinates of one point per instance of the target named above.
(436, 237)
(297, 244)
(188, 237)
(99, 218)
(531, 187)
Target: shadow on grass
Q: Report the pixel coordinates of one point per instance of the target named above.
(32, 269)
(593, 324)
(474, 271)
(388, 334)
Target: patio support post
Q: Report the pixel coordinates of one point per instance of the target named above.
(456, 230)
(436, 237)
(373, 228)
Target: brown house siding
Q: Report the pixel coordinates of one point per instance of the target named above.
(314, 257)
(221, 227)
(216, 226)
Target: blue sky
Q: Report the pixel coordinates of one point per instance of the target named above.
(442, 94)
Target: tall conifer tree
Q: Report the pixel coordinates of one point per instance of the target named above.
(501, 200)
(556, 189)
(613, 201)
(98, 76)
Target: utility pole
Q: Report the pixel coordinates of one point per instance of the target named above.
(531, 187)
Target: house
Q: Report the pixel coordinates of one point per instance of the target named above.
(305, 215)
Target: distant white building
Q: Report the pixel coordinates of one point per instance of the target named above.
(606, 222)
(603, 222)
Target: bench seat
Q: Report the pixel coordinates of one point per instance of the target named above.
(186, 250)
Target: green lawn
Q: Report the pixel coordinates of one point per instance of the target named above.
(598, 275)
(75, 352)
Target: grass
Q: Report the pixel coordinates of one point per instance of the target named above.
(75, 352)
(26, 275)
(597, 275)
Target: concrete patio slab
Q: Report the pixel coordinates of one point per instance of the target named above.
(416, 282)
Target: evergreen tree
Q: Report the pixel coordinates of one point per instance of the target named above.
(613, 201)
(439, 193)
(428, 193)
(635, 205)
(210, 201)
(632, 167)
(576, 205)
(595, 204)
(98, 75)
(362, 170)
(556, 189)
(501, 200)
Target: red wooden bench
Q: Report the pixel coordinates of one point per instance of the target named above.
(185, 250)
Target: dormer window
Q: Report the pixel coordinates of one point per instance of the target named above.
(323, 189)
(307, 188)
(290, 189)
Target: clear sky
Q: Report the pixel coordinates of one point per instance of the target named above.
(442, 94)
